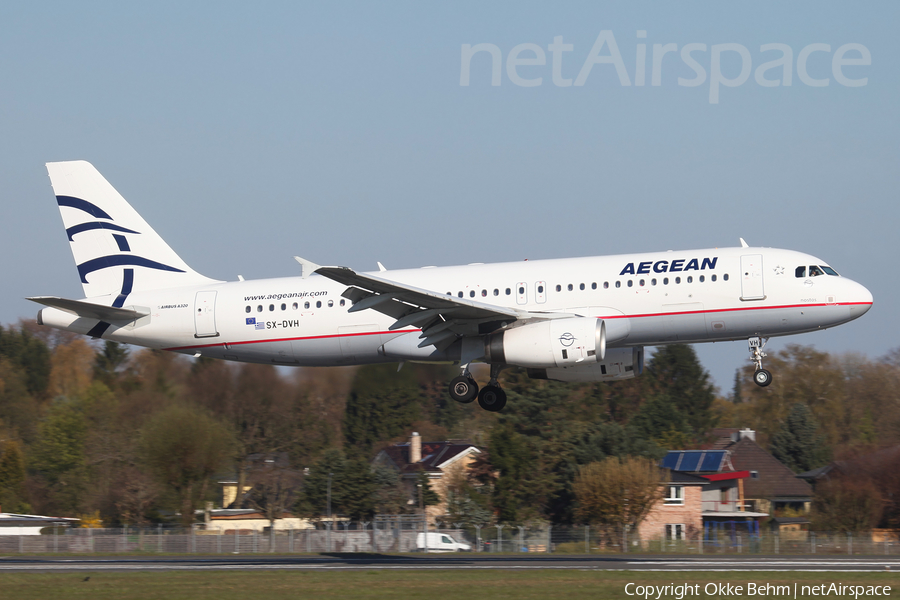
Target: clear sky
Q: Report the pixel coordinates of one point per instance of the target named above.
(246, 133)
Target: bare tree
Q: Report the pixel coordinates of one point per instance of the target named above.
(616, 493)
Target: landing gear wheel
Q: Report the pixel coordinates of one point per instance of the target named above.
(762, 378)
(492, 398)
(463, 389)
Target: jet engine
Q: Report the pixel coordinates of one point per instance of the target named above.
(551, 343)
(619, 363)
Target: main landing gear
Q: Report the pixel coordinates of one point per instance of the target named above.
(761, 377)
(491, 397)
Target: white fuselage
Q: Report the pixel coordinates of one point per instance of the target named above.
(659, 298)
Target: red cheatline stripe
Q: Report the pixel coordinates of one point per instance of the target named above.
(648, 315)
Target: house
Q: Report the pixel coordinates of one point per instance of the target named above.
(242, 520)
(678, 516)
(771, 486)
(438, 460)
(15, 524)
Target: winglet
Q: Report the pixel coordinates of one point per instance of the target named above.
(743, 243)
(307, 267)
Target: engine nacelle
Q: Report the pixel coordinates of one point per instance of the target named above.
(620, 363)
(550, 343)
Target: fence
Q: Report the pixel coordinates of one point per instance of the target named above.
(397, 537)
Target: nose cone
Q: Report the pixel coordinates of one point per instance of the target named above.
(862, 300)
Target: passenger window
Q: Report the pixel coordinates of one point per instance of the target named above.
(581, 287)
(725, 276)
(571, 287)
(594, 286)
(248, 309)
(800, 271)
(678, 280)
(690, 279)
(283, 306)
(713, 278)
(342, 302)
(271, 307)
(558, 288)
(815, 271)
(618, 284)
(296, 306)
(259, 308)
(460, 294)
(652, 282)
(665, 281)
(471, 293)
(641, 283)
(508, 291)
(605, 285)
(630, 283)
(521, 290)
(540, 289)
(330, 303)
(484, 293)
(318, 304)
(496, 292)
(702, 279)
(306, 305)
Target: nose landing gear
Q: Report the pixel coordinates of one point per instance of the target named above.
(761, 377)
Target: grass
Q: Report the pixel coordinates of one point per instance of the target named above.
(393, 585)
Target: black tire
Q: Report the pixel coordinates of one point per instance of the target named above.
(463, 389)
(492, 398)
(762, 378)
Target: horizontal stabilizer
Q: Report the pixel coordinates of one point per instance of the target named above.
(88, 310)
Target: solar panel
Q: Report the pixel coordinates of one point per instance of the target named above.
(671, 460)
(712, 461)
(690, 461)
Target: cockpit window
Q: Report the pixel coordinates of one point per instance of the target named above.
(800, 271)
(815, 271)
(830, 271)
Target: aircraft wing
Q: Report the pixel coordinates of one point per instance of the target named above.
(441, 317)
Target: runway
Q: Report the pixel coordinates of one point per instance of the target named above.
(369, 562)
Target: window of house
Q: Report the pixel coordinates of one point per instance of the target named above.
(675, 531)
(754, 474)
(674, 494)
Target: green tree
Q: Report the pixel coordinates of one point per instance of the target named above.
(108, 362)
(183, 446)
(12, 478)
(799, 445)
(423, 485)
(58, 457)
(353, 487)
(28, 353)
(846, 503)
(686, 383)
(660, 419)
(382, 405)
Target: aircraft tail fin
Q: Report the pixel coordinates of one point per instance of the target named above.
(115, 250)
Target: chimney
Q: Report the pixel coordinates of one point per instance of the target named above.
(748, 434)
(415, 448)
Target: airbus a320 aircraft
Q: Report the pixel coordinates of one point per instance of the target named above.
(578, 319)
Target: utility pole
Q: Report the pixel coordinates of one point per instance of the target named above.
(424, 516)
(330, 522)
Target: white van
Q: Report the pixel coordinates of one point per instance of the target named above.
(440, 542)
